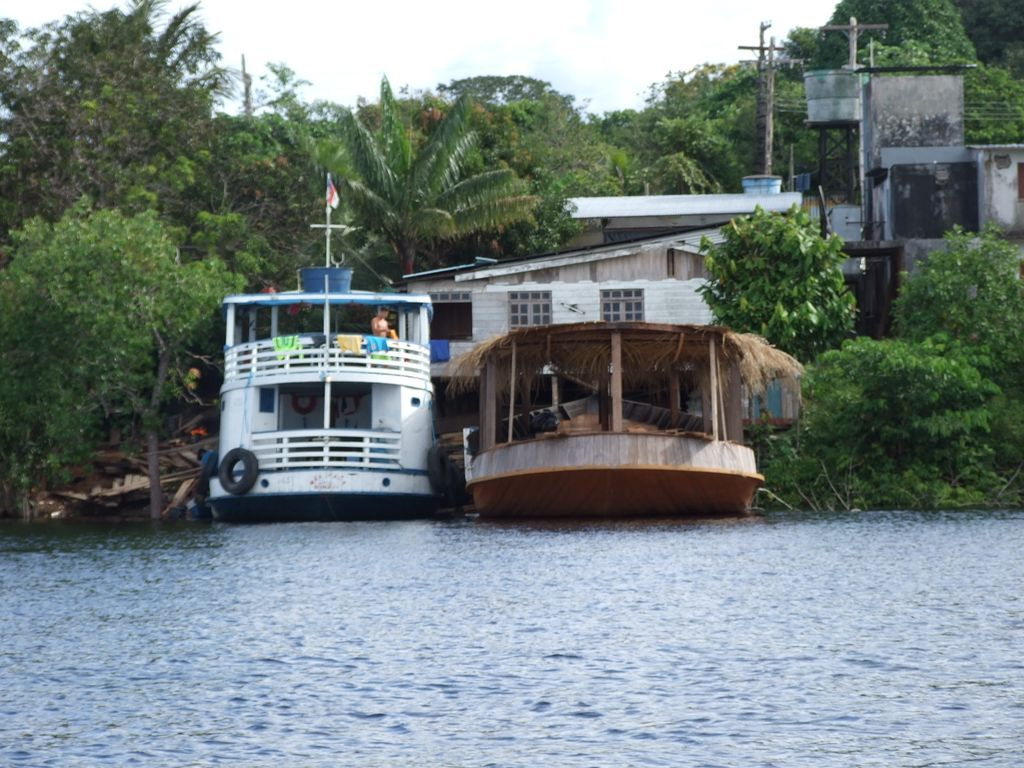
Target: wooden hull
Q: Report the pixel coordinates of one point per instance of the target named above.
(614, 475)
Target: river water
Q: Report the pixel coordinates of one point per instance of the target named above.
(876, 639)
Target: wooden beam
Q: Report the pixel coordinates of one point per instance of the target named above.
(616, 382)
(679, 348)
(512, 393)
(488, 405)
(713, 364)
(733, 404)
(673, 392)
(602, 402)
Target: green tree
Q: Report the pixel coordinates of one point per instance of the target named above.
(257, 194)
(970, 290)
(411, 188)
(697, 133)
(692, 136)
(100, 314)
(540, 134)
(106, 104)
(993, 106)
(996, 27)
(925, 31)
(775, 275)
(889, 424)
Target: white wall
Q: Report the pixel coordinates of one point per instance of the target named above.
(666, 299)
(999, 198)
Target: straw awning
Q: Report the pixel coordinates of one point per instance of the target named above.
(650, 353)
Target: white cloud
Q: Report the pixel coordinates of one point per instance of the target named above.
(605, 52)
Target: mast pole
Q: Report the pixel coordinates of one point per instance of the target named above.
(327, 209)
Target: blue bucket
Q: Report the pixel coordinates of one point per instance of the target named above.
(339, 279)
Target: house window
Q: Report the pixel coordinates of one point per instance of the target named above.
(1020, 181)
(623, 304)
(453, 315)
(529, 308)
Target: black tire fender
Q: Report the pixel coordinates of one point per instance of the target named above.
(250, 470)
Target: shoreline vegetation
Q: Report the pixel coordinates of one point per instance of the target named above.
(130, 207)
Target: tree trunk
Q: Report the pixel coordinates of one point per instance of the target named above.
(407, 256)
(156, 494)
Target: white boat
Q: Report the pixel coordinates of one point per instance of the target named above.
(318, 419)
(615, 420)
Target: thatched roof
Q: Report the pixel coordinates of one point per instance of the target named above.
(649, 352)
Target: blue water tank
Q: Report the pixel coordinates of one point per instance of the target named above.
(762, 185)
(338, 279)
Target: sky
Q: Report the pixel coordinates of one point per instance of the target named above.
(606, 53)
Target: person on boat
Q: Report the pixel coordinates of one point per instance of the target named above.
(379, 323)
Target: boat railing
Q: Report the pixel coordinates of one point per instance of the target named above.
(319, 448)
(310, 353)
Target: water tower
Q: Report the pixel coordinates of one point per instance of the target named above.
(833, 107)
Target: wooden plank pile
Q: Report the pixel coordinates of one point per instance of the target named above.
(118, 480)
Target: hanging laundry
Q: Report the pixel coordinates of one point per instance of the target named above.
(376, 347)
(376, 344)
(350, 344)
(285, 345)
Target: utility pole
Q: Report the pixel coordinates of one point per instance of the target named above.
(765, 98)
(852, 31)
(246, 90)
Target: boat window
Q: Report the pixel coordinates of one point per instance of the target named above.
(622, 305)
(267, 399)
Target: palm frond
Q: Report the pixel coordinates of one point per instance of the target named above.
(374, 207)
(393, 138)
(366, 158)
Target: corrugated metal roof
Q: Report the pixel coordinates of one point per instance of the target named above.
(685, 240)
(679, 205)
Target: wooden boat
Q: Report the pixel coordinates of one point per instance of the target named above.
(615, 419)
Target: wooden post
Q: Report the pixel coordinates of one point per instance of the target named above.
(733, 405)
(602, 402)
(488, 406)
(673, 378)
(512, 393)
(713, 364)
(723, 428)
(673, 393)
(616, 420)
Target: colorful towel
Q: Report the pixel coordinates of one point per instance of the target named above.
(376, 344)
(350, 344)
(286, 344)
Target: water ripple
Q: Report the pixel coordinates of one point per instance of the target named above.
(881, 639)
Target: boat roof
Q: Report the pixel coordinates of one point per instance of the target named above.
(365, 298)
(649, 351)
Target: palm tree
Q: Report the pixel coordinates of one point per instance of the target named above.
(416, 195)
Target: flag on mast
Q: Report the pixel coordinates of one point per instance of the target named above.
(332, 193)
